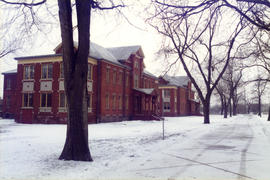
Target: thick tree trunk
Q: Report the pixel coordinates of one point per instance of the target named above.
(75, 76)
(206, 111)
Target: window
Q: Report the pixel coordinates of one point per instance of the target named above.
(136, 64)
(107, 106)
(114, 77)
(8, 101)
(167, 106)
(46, 100)
(8, 84)
(61, 70)
(89, 73)
(46, 71)
(136, 83)
(126, 101)
(62, 100)
(28, 72)
(127, 81)
(167, 93)
(113, 102)
(120, 78)
(27, 100)
(89, 100)
(107, 75)
(120, 102)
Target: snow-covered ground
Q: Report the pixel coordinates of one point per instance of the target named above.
(233, 148)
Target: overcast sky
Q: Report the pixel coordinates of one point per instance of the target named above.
(108, 30)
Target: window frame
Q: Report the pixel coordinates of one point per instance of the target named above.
(46, 100)
(65, 100)
(47, 65)
(89, 71)
(114, 77)
(167, 108)
(127, 101)
(119, 102)
(167, 93)
(107, 74)
(107, 101)
(8, 85)
(28, 71)
(61, 71)
(28, 100)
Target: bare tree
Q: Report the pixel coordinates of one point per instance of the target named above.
(21, 23)
(258, 91)
(192, 36)
(75, 71)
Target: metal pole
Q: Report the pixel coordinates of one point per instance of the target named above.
(163, 129)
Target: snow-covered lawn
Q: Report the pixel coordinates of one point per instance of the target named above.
(233, 148)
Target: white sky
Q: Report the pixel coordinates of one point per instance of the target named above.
(108, 30)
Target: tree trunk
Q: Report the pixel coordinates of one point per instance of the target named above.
(206, 111)
(75, 77)
(234, 106)
(230, 106)
(222, 105)
(259, 107)
(225, 109)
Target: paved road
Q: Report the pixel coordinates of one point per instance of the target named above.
(237, 150)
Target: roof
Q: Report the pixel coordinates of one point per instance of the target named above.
(13, 71)
(149, 74)
(99, 52)
(123, 53)
(114, 54)
(177, 80)
(38, 56)
(148, 91)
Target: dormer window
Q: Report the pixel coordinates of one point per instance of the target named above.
(136, 64)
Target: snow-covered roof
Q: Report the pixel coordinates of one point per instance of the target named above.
(145, 90)
(99, 52)
(123, 53)
(148, 73)
(177, 80)
(110, 54)
(10, 71)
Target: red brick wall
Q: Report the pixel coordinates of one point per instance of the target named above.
(183, 101)
(9, 108)
(33, 115)
(111, 88)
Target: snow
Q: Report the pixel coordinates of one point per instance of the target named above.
(233, 148)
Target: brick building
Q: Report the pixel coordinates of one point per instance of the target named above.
(177, 96)
(118, 87)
